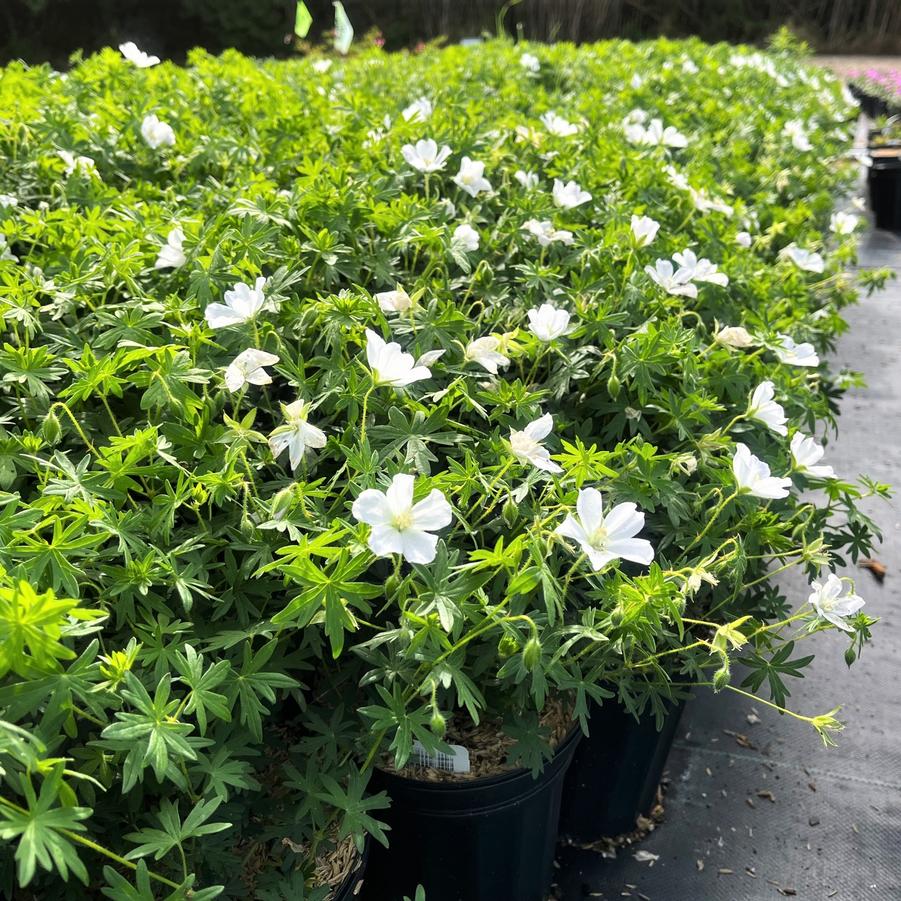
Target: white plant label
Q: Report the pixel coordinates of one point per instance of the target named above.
(455, 762)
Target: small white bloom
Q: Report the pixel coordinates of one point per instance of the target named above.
(530, 63)
(606, 538)
(157, 133)
(547, 322)
(655, 135)
(83, 165)
(171, 254)
(425, 156)
(296, 433)
(806, 453)
(636, 81)
(689, 67)
(242, 303)
(635, 117)
(485, 351)
(6, 255)
(471, 177)
(795, 354)
(527, 446)
(8, 200)
(390, 365)
(803, 259)
(394, 301)
(398, 525)
(764, 409)
(743, 239)
(826, 598)
(465, 238)
(321, 66)
(701, 270)
(528, 180)
(794, 129)
(557, 125)
(247, 369)
(430, 357)
(136, 56)
(676, 283)
(734, 336)
(644, 230)
(752, 476)
(569, 195)
(704, 203)
(419, 110)
(842, 223)
(545, 233)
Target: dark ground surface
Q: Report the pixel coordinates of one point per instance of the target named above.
(831, 827)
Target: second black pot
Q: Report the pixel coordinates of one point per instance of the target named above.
(615, 772)
(489, 839)
(884, 178)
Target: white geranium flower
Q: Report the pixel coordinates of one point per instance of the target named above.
(842, 223)
(83, 165)
(826, 598)
(752, 476)
(242, 303)
(569, 195)
(247, 369)
(527, 446)
(530, 63)
(676, 283)
(425, 156)
(644, 230)
(321, 66)
(171, 255)
(557, 125)
(545, 233)
(547, 322)
(398, 525)
(635, 117)
(704, 203)
(465, 238)
(485, 351)
(734, 336)
(803, 259)
(636, 81)
(743, 239)
(419, 110)
(794, 129)
(9, 200)
(764, 409)
(394, 301)
(390, 365)
(655, 135)
(156, 133)
(136, 56)
(689, 67)
(296, 433)
(471, 177)
(6, 255)
(606, 538)
(701, 270)
(528, 180)
(806, 453)
(795, 354)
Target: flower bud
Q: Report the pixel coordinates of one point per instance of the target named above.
(722, 677)
(438, 724)
(507, 647)
(50, 428)
(510, 512)
(850, 656)
(531, 653)
(613, 385)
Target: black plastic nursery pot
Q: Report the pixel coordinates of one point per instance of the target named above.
(884, 178)
(615, 772)
(352, 884)
(870, 105)
(488, 839)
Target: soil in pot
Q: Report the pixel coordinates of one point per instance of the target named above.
(488, 835)
(616, 771)
(884, 178)
(342, 868)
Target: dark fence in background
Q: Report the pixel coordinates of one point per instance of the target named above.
(38, 30)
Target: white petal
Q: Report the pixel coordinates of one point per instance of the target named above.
(624, 521)
(418, 547)
(540, 428)
(372, 508)
(385, 540)
(218, 315)
(432, 513)
(590, 507)
(400, 493)
(638, 550)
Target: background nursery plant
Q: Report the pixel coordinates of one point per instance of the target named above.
(337, 415)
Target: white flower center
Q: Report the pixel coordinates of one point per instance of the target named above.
(403, 520)
(598, 538)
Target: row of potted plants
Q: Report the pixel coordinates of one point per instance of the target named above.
(877, 90)
(377, 429)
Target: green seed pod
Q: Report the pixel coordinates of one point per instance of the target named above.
(510, 512)
(722, 677)
(507, 647)
(850, 656)
(438, 724)
(50, 428)
(613, 385)
(531, 654)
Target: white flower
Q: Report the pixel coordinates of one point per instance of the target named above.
(394, 301)
(83, 165)
(171, 254)
(526, 445)
(547, 322)
(636, 81)
(701, 270)
(419, 110)
(471, 177)
(9, 200)
(706, 204)
(803, 259)
(794, 129)
(635, 117)
(465, 238)
(569, 195)
(764, 409)
(247, 369)
(806, 453)
(530, 63)
(753, 477)
(137, 56)
(689, 67)
(795, 354)
(425, 156)
(296, 433)
(545, 233)
(606, 538)
(528, 180)
(825, 598)
(321, 66)
(557, 125)
(398, 525)
(655, 135)
(242, 303)
(843, 223)
(485, 352)
(734, 336)
(678, 283)
(157, 133)
(390, 365)
(6, 255)
(644, 230)
(743, 239)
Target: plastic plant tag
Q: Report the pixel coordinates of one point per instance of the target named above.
(302, 20)
(344, 31)
(455, 762)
